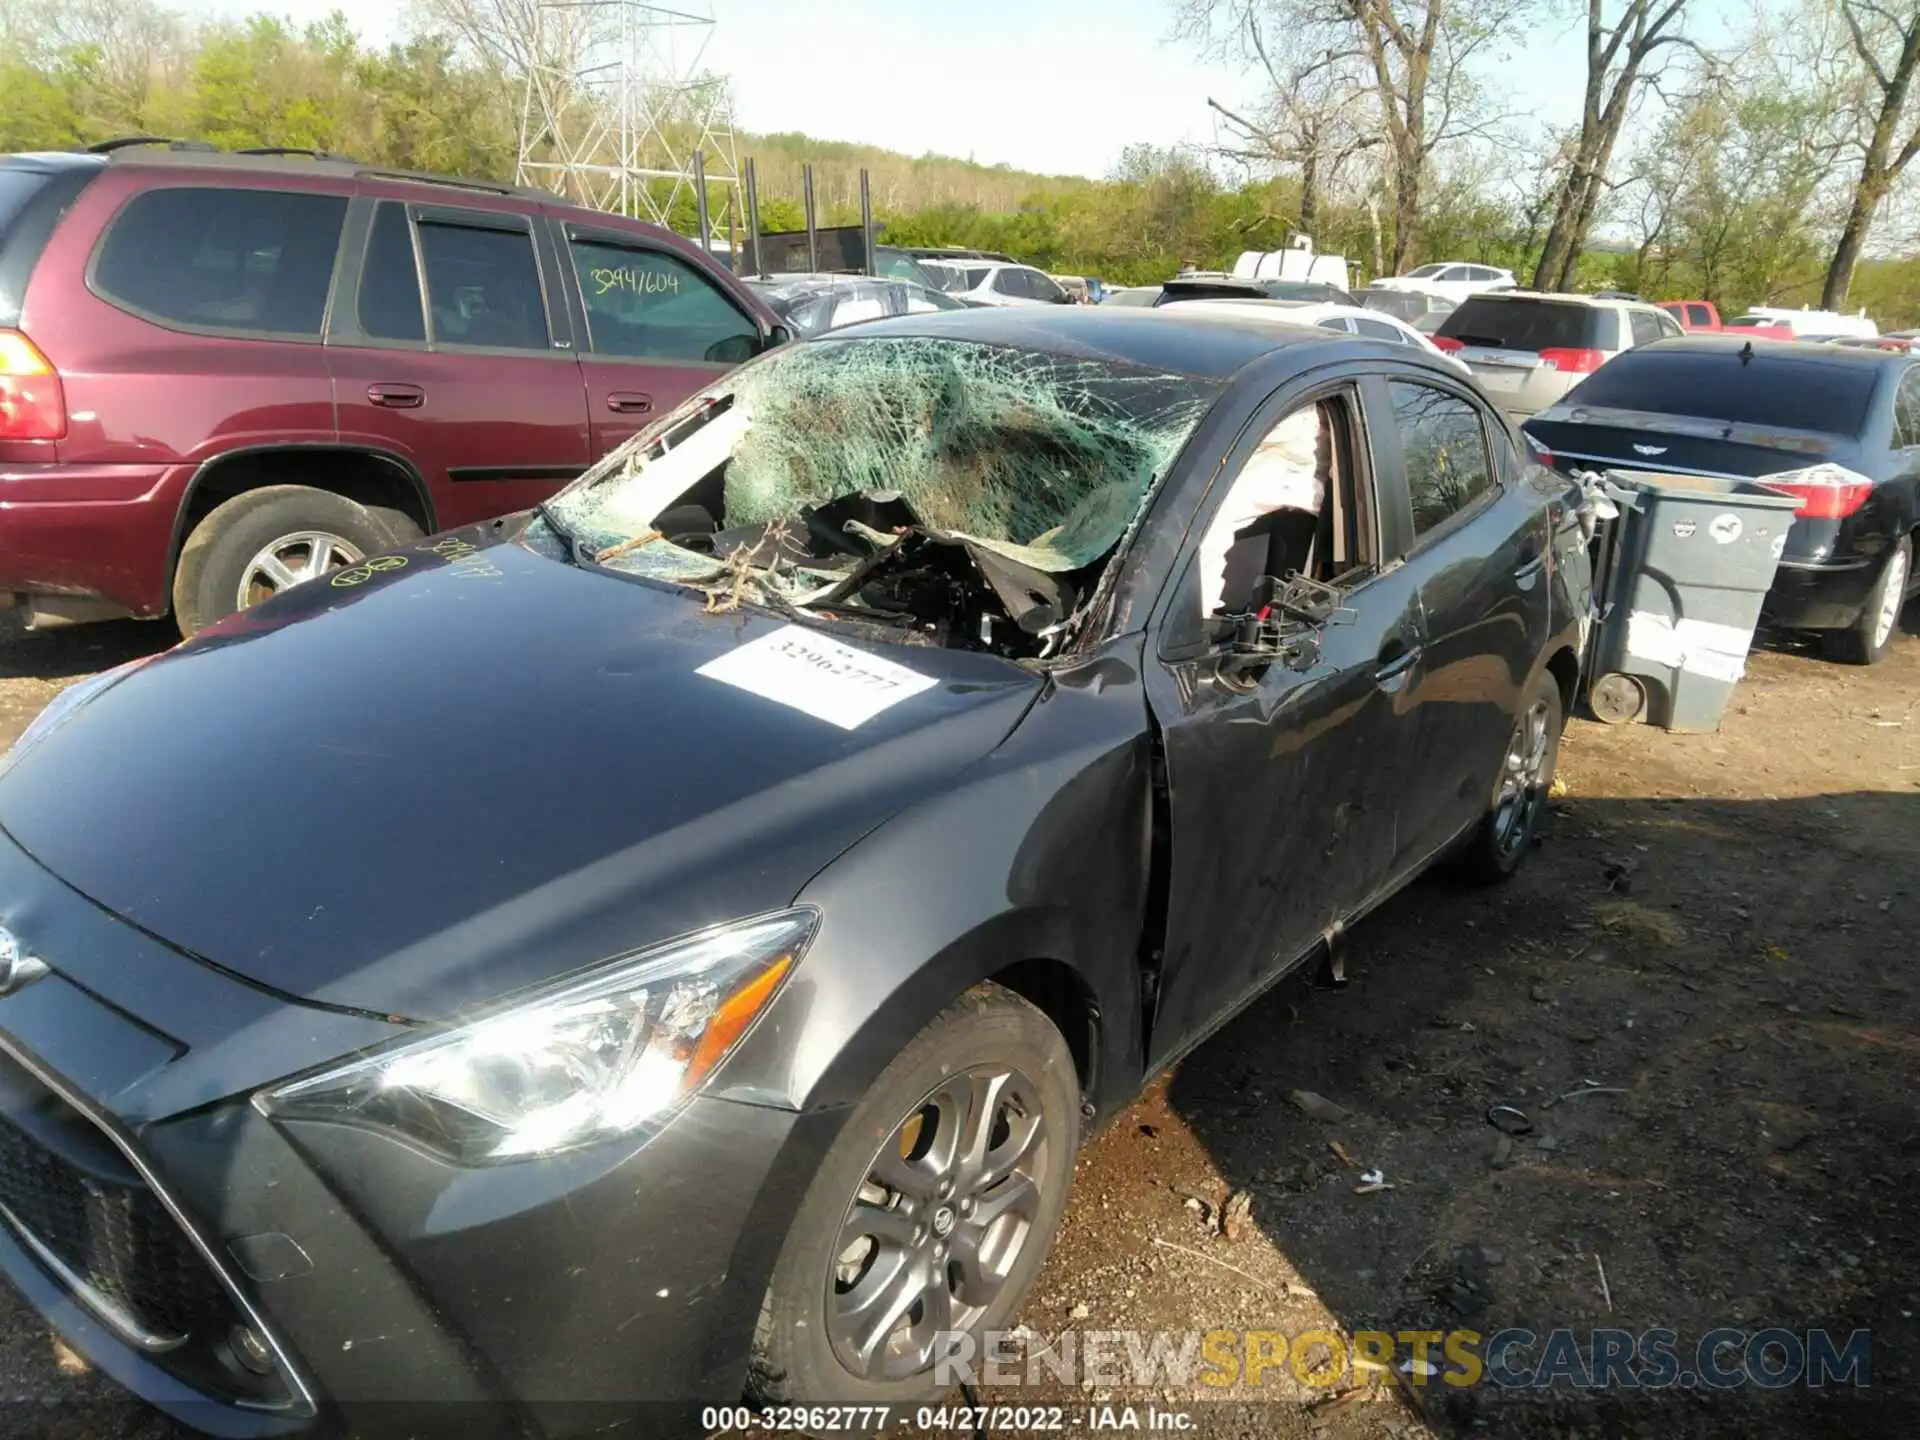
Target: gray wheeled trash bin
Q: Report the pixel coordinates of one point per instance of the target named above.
(1681, 575)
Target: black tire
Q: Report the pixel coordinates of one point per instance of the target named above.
(221, 549)
(1500, 842)
(1862, 642)
(797, 1343)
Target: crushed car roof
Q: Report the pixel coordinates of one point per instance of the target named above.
(1154, 340)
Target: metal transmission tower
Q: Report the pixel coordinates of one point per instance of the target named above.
(618, 113)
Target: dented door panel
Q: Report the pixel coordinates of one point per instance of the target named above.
(1284, 802)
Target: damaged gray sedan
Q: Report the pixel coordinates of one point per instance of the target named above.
(704, 917)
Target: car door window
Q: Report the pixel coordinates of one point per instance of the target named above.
(1699, 315)
(1010, 282)
(1336, 322)
(1443, 440)
(257, 262)
(483, 286)
(1669, 327)
(389, 306)
(1045, 287)
(650, 305)
(1906, 410)
(1376, 330)
(1645, 328)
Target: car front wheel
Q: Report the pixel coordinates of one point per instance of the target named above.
(931, 1214)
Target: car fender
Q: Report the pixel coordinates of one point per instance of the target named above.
(1039, 853)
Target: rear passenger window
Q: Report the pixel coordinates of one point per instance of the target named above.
(483, 287)
(255, 261)
(1906, 411)
(1374, 330)
(1646, 329)
(389, 282)
(1445, 446)
(654, 306)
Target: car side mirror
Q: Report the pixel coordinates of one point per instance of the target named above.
(734, 350)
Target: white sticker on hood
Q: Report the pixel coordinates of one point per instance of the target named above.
(817, 674)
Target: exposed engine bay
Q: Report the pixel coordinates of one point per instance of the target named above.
(870, 561)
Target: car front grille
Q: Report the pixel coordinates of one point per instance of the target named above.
(121, 1250)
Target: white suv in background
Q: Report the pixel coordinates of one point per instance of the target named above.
(1451, 279)
(987, 282)
(1528, 348)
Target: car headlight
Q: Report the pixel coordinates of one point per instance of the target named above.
(598, 1057)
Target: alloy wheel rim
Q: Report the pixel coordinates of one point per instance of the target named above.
(1890, 603)
(935, 1230)
(1522, 780)
(291, 559)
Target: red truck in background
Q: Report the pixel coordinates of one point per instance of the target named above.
(1703, 317)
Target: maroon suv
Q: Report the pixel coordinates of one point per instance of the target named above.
(221, 374)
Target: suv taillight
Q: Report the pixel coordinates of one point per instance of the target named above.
(1448, 343)
(1573, 362)
(32, 406)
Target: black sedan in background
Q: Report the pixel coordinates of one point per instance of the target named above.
(1838, 427)
(672, 944)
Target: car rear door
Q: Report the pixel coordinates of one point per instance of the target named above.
(1283, 786)
(1478, 551)
(655, 326)
(477, 388)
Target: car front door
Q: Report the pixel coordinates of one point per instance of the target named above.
(657, 328)
(1478, 555)
(478, 388)
(1283, 784)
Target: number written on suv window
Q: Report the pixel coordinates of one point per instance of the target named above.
(1445, 445)
(483, 287)
(256, 262)
(654, 306)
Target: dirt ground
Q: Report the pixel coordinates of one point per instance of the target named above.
(1716, 940)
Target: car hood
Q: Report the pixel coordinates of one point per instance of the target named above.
(413, 790)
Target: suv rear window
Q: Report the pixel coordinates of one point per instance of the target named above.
(1503, 323)
(1786, 392)
(255, 261)
(17, 187)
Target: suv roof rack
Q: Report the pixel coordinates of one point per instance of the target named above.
(157, 150)
(298, 150)
(129, 142)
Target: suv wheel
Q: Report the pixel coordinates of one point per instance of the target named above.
(931, 1213)
(1865, 641)
(264, 541)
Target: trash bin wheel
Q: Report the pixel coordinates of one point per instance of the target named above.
(1617, 699)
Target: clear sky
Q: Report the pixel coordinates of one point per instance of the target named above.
(1058, 86)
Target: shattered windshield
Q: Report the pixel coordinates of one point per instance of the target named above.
(953, 492)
